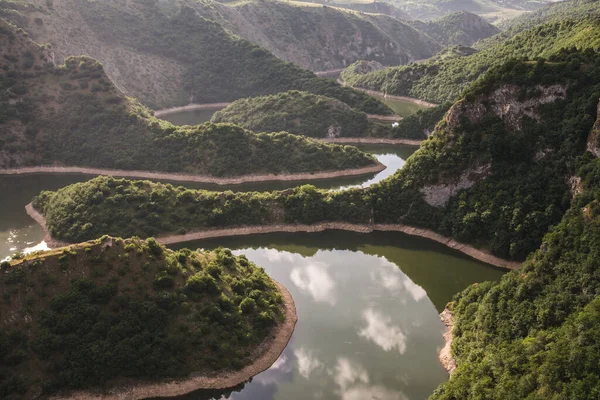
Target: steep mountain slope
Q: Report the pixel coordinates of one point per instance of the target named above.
(322, 37)
(444, 79)
(112, 312)
(460, 28)
(73, 115)
(165, 53)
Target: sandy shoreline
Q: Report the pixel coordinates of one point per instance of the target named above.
(291, 228)
(445, 355)
(378, 167)
(359, 140)
(266, 354)
(189, 107)
(390, 118)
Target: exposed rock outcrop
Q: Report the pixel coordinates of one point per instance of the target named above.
(592, 142)
(438, 195)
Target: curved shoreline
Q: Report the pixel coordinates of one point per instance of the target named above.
(391, 96)
(360, 140)
(445, 354)
(390, 118)
(378, 167)
(264, 356)
(292, 228)
(189, 107)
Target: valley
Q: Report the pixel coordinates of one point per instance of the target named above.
(389, 200)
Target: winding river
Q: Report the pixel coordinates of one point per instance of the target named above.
(367, 304)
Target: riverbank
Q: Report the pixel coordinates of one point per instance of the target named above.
(189, 107)
(292, 228)
(419, 102)
(360, 140)
(378, 167)
(385, 118)
(445, 355)
(263, 357)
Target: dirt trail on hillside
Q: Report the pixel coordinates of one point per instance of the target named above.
(189, 107)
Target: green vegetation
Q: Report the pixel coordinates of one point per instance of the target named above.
(490, 175)
(89, 315)
(143, 208)
(296, 112)
(318, 116)
(445, 78)
(535, 334)
(206, 62)
(461, 28)
(324, 37)
(73, 115)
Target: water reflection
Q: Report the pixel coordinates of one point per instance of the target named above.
(366, 330)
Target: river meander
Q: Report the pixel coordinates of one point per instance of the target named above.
(367, 304)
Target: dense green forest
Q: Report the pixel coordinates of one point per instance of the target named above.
(445, 78)
(517, 183)
(535, 334)
(296, 112)
(183, 56)
(73, 115)
(88, 314)
(507, 174)
(322, 117)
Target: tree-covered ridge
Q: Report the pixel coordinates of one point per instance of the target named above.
(322, 38)
(496, 172)
(167, 53)
(95, 314)
(73, 115)
(296, 112)
(147, 209)
(321, 117)
(461, 28)
(444, 79)
(534, 335)
(494, 178)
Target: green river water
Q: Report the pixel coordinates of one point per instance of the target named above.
(367, 304)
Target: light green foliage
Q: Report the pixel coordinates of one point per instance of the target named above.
(103, 317)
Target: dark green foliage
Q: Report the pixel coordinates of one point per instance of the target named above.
(461, 28)
(535, 334)
(159, 320)
(296, 112)
(421, 124)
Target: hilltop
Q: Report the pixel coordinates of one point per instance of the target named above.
(167, 53)
(73, 115)
(114, 314)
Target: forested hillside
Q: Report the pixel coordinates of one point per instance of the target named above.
(167, 53)
(507, 163)
(73, 115)
(110, 312)
(445, 78)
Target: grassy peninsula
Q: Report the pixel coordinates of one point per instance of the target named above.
(117, 312)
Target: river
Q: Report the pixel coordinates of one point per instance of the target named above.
(367, 304)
